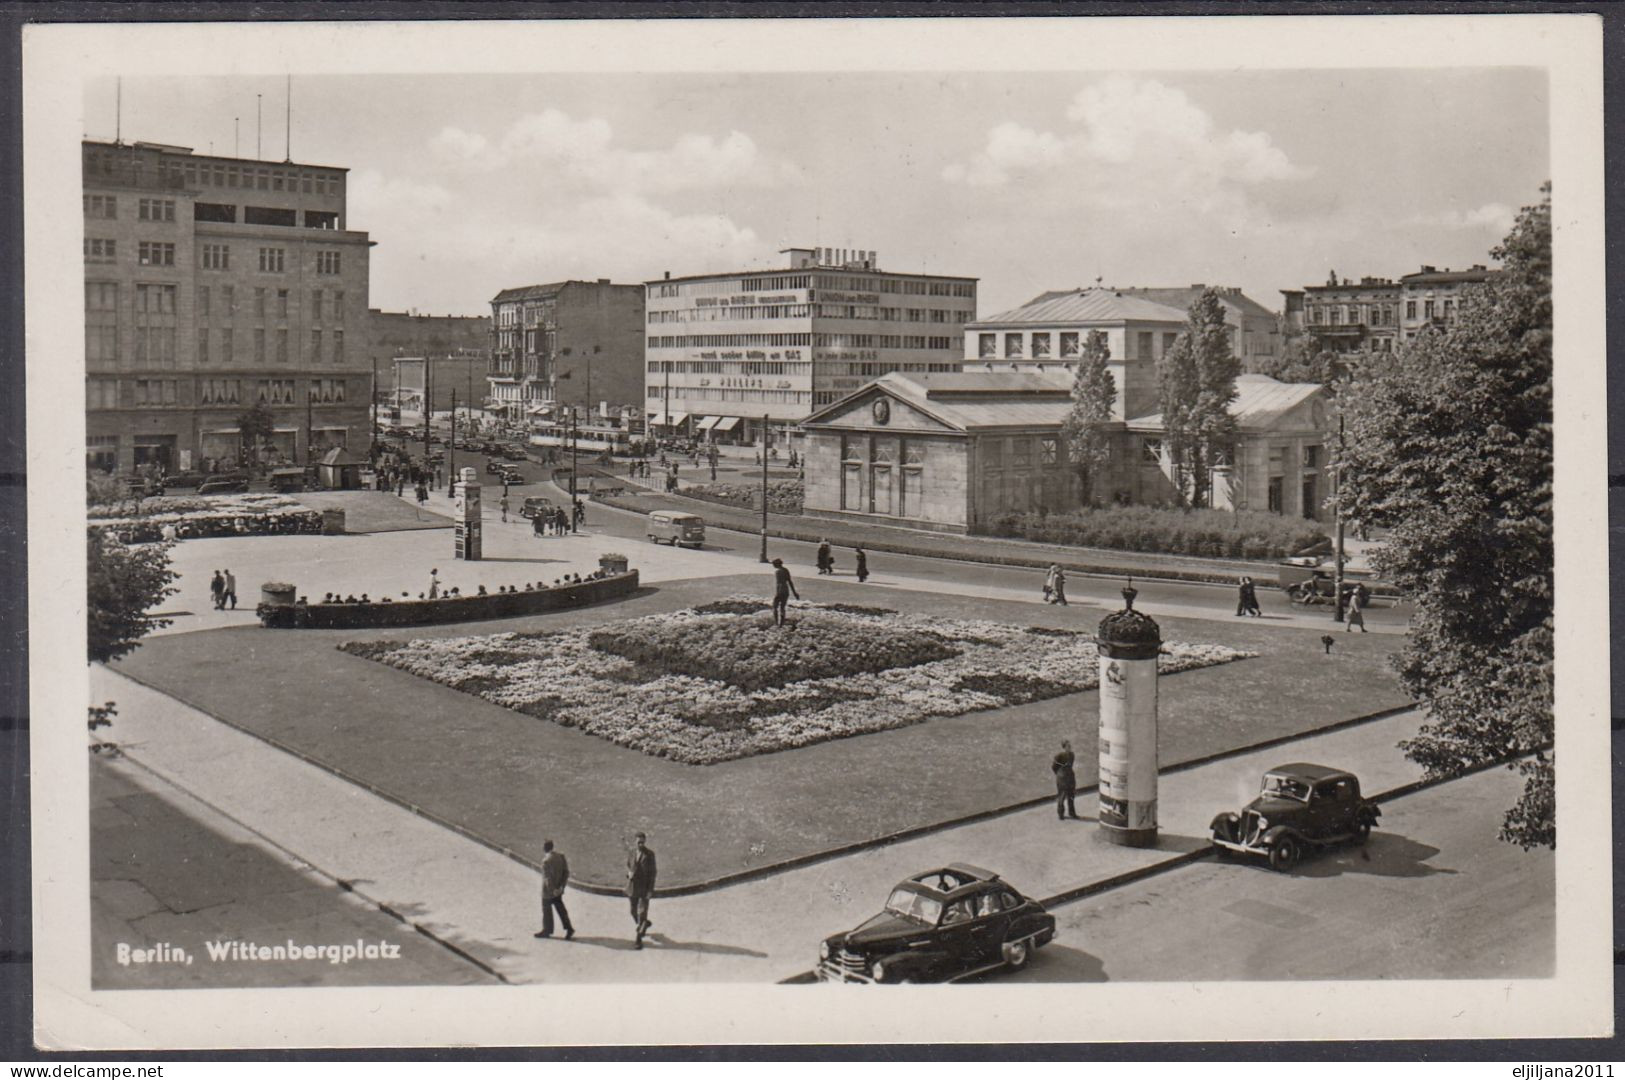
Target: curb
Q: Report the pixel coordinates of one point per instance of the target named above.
(1129, 877)
(755, 873)
(898, 547)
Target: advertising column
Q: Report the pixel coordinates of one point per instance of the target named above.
(1128, 642)
(466, 511)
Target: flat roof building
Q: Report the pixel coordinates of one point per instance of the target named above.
(213, 284)
(723, 351)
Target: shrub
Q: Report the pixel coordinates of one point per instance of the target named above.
(1206, 533)
(783, 496)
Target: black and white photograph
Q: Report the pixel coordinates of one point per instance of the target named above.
(614, 532)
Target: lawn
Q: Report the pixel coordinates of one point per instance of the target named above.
(721, 681)
(514, 782)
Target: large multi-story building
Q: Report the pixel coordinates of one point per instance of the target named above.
(405, 344)
(1377, 313)
(573, 343)
(213, 284)
(726, 350)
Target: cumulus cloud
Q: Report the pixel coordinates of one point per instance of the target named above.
(1137, 142)
(1496, 217)
(585, 151)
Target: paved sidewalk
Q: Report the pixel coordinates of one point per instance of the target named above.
(762, 931)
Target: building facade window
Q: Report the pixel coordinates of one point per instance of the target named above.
(316, 305)
(271, 260)
(282, 303)
(155, 325)
(1041, 346)
(1069, 344)
(987, 345)
(338, 346)
(101, 393)
(203, 301)
(1142, 344)
(1013, 345)
(101, 322)
(1151, 451)
(259, 303)
(226, 346)
(216, 256)
(155, 209)
(282, 345)
(1410, 309)
(100, 251)
(149, 253)
(315, 346)
(259, 346)
(327, 262)
(103, 207)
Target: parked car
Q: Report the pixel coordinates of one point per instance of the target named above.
(183, 479)
(513, 453)
(533, 505)
(286, 480)
(940, 926)
(1299, 806)
(676, 528)
(494, 467)
(224, 484)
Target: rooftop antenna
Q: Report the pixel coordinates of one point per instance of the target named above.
(118, 112)
(259, 123)
(236, 131)
(287, 138)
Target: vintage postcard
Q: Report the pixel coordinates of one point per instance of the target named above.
(759, 531)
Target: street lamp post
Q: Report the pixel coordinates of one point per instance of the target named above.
(764, 488)
(451, 449)
(574, 502)
(1337, 503)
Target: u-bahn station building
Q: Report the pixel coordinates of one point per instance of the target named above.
(726, 351)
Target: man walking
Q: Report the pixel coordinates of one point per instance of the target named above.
(504, 502)
(217, 590)
(1055, 585)
(782, 588)
(640, 885)
(1355, 616)
(1066, 782)
(555, 875)
(862, 563)
(231, 589)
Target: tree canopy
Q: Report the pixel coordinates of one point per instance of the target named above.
(1093, 393)
(1196, 384)
(125, 583)
(1450, 448)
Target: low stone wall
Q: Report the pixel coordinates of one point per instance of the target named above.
(453, 610)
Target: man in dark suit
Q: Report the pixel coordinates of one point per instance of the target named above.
(1066, 782)
(640, 885)
(555, 875)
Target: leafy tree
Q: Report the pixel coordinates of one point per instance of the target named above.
(255, 425)
(1450, 447)
(1303, 361)
(126, 582)
(1196, 382)
(1093, 392)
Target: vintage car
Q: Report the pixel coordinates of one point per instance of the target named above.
(513, 453)
(535, 504)
(940, 926)
(224, 483)
(1298, 807)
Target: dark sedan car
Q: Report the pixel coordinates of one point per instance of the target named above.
(940, 926)
(223, 484)
(1299, 806)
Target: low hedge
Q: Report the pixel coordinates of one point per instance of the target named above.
(783, 496)
(1206, 533)
(203, 526)
(455, 609)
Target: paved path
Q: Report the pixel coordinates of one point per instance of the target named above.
(757, 931)
(393, 563)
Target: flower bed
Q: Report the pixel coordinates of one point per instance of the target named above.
(783, 496)
(195, 517)
(1209, 533)
(706, 686)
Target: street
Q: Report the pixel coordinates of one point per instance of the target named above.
(1434, 895)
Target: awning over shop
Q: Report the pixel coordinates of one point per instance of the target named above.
(659, 419)
(727, 423)
(707, 423)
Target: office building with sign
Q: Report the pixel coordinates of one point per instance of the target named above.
(214, 284)
(723, 351)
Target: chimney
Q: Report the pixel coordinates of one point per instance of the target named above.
(603, 281)
(668, 275)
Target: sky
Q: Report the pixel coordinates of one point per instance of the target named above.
(1266, 180)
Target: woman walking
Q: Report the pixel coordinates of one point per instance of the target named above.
(862, 563)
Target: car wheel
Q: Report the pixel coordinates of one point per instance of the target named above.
(1016, 954)
(1284, 854)
(1362, 832)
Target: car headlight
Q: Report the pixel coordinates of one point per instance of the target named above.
(879, 971)
(1263, 823)
(823, 950)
